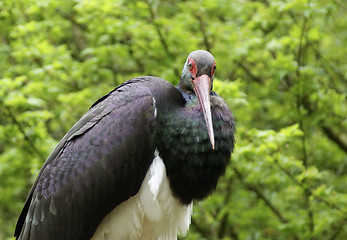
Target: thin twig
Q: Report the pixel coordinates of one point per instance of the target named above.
(340, 227)
(335, 138)
(223, 226)
(205, 233)
(341, 4)
(301, 122)
(30, 142)
(203, 30)
(157, 28)
(249, 72)
(72, 19)
(160, 34)
(307, 189)
(335, 69)
(253, 188)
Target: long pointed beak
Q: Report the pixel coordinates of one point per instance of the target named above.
(202, 88)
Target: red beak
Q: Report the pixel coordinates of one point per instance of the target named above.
(202, 88)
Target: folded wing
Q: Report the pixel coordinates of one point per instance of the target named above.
(99, 163)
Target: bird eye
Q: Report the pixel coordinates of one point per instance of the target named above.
(214, 67)
(190, 65)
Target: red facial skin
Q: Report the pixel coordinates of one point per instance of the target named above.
(192, 67)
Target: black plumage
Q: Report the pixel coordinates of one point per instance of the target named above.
(184, 142)
(103, 158)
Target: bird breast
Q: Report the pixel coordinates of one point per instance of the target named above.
(153, 213)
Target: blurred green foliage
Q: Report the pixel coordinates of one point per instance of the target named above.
(282, 69)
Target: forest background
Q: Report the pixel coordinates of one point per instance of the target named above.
(281, 67)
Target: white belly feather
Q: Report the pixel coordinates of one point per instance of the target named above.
(152, 214)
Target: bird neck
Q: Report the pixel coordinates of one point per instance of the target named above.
(189, 96)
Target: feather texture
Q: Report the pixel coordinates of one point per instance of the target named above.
(96, 166)
(153, 213)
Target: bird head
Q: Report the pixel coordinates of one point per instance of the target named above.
(197, 77)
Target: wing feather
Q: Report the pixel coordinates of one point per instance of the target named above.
(98, 164)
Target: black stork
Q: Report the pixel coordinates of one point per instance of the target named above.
(131, 167)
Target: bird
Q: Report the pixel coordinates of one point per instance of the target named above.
(132, 165)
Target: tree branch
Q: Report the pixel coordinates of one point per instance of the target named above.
(162, 39)
(320, 56)
(30, 142)
(139, 63)
(339, 228)
(153, 18)
(249, 73)
(335, 69)
(223, 226)
(253, 188)
(205, 233)
(326, 202)
(203, 30)
(328, 131)
(9, 55)
(300, 106)
(341, 4)
(71, 19)
(335, 138)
